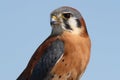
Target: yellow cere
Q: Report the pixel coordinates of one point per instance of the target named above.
(54, 17)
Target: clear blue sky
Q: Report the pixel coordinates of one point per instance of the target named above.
(24, 25)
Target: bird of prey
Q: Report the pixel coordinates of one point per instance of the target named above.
(65, 54)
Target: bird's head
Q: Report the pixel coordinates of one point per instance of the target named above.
(67, 19)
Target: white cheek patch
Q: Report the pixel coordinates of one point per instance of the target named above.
(73, 24)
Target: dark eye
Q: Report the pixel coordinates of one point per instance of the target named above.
(67, 15)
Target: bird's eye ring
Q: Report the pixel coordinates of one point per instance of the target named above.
(66, 15)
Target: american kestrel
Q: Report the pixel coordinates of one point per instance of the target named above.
(64, 55)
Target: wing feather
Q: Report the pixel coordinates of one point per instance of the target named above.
(44, 58)
(48, 60)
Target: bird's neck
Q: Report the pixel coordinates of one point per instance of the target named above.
(56, 30)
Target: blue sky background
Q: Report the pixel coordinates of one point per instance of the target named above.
(24, 25)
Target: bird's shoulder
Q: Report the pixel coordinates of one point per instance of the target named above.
(51, 40)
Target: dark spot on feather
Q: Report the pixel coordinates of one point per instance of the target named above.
(55, 58)
(63, 60)
(65, 64)
(52, 76)
(60, 76)
(52, 61)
